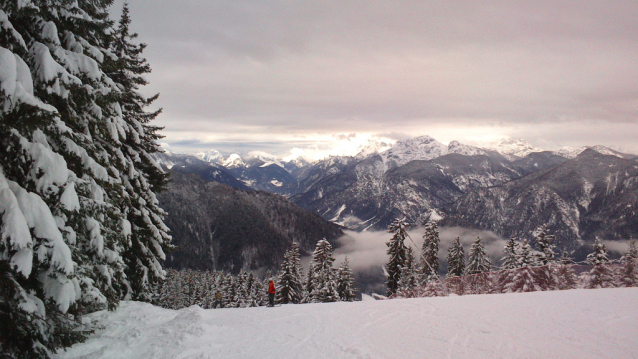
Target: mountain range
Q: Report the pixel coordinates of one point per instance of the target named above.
(509, 187)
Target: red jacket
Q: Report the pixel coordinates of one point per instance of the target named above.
(271, 288)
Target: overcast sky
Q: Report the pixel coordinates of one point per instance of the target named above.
(271, 75)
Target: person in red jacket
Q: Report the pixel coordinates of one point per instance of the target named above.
(271, 294)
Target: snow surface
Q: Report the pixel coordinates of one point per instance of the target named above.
(601, 323)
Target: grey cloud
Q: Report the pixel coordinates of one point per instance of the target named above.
(380, 66)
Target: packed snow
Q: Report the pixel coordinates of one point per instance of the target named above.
(580, 323)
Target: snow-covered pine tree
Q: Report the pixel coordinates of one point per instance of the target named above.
(564, 274)
(545, 257)
(430, 252)
(397, 252)
(434, 287)
(258, 293)
(509, 259)
(409, 278)
(61, 223)
(601, 275)
(478, 261)
(325, 284)
(229, 291)
(290, 288)
(345, 282)
(479, 268)
(250, 290)
(628, 272)
(522, 278)
(544, 241)
(141, 176)
(309, 284)
(242, 293)
(456, 259)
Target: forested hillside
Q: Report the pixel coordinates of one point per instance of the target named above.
(218, 227)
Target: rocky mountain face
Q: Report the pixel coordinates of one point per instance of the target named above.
(592, 195)
(263, 176)
(218, 227)
(505, 188)
(364, 196)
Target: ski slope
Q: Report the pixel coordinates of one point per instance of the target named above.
(600, 323)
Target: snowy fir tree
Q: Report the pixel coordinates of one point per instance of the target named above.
(628, 273)
(456, 259)
(430, 251)
(525, 254)
(345, 282)
(521, 278)
(141, 176)
(64, 193)
(434, 287)
(478, 261)
(564, 274)
(509, 259)
(544, 241)
(601, 275)
(409, 278)
(397, 252)
(479, 268)
(325, 283)
(309, 285)
(289, 283)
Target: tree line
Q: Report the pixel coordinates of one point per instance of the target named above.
(323, 283)
(523, 268)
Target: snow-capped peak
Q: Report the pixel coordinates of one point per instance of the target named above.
(571, 152)
(466, 150)
(509, 146)
(266, 157)
(371, 147)
(212, 156)
(420, 148)
(233, 161)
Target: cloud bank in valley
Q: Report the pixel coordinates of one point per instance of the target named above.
(368, 249)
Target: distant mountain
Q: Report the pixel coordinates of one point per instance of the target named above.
(363, 195)
(420, 148)
(466, 150)
(310, 175)
(260, 170)
(420, 178)
(233, 161)
(212, 156)
(218, 227)
(513, 148)
(190, 164)
(371, 147)
(592, 195)
(263, 176)
(570, 152)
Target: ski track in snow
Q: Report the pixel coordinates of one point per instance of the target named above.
(600, 323)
